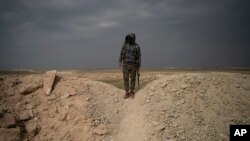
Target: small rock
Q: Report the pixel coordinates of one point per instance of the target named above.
(182, 138)
(52, 97)
(182, 101)
(160, 127)
(152, 89)
(202, 91)
(169, 140)
(33, 129)
(63, 116)
(173, 90)
(8, 121)
(26, 89)
(1, 112)
(52, 126)
(155, 123)
(35, 119)
(237, 85)
(184, 86)
(16, 82)
(164, 84)
(117, 111)
(24, 115)
(223, 137)
(175, 116)
(147, 101)
(162, 113)
(88, 99)
(72, 92)
(116, 100)
(48, 81)
(30, 106)
(10, 134)
(31, 113)
(101, 129)
(2, 78)
(53, 112)
(65, 95)
(175, 125)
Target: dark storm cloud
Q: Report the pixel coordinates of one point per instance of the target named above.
(73, 34)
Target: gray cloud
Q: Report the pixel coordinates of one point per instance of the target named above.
(73, 34)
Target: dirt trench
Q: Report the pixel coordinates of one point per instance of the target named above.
(133, 125)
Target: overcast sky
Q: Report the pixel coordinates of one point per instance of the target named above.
(81, 34)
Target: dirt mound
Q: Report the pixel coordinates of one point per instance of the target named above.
(76, 110)
(187, 106)
(197, 106)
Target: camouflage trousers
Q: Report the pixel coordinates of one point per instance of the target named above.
(129, 71)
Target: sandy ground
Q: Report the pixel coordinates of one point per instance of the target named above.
(89, 106)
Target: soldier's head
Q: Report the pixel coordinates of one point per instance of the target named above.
(130, 38)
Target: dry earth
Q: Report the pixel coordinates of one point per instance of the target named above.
(170, 106)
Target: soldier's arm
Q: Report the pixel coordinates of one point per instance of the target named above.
(121, 55)
(139, 56)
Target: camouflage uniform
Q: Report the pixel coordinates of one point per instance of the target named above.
(130, 57)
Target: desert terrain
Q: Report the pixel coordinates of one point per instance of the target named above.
(88, 105)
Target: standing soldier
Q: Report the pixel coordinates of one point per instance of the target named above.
(130, 60)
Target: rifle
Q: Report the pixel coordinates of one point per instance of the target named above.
(138, 76)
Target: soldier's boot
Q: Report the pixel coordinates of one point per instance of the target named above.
(132, 94)
(127, 95)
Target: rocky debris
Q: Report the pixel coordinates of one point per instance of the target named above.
(16, 82)
(33, 128)
(25, 115)
(2, 111)
(117, 111)
(10, 134)
(51, 97)
(65, 95)
(195, 104)
(48, 81)
(8, 121)
(169, 140)
(87, 99)
(184, 86)
(68, 93)
(117, 99)
(39, 116)
(101, 129)
(198, 111)
(53, 112)
(2, 78)
(155, 123)
(63, 116)
(26, 89)
(180, 102)
(161, 127)
(148, 100)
